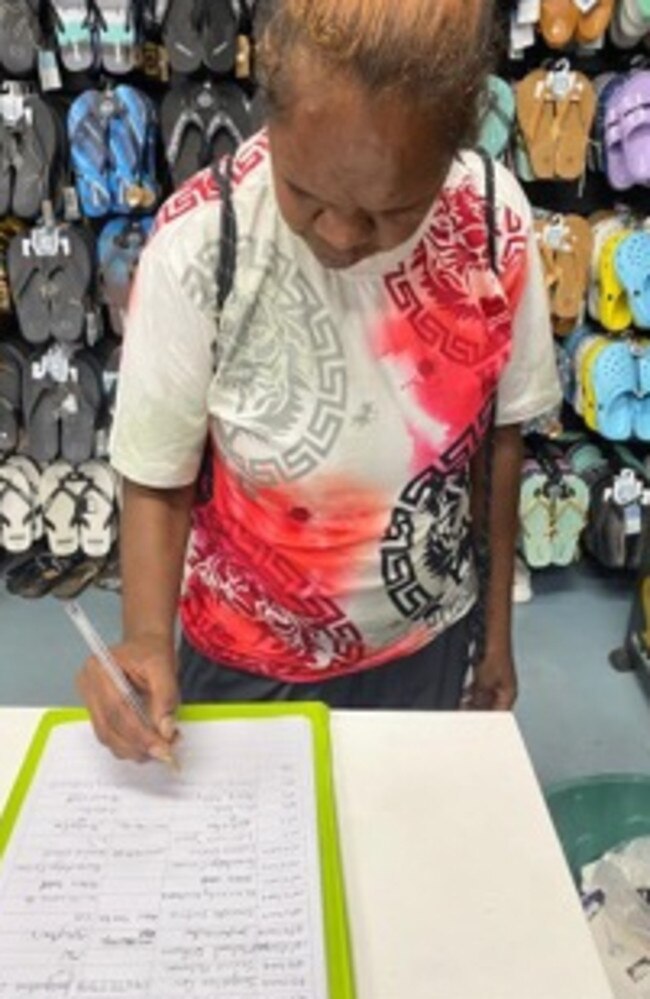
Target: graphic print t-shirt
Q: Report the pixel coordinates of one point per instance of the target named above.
(343, 409)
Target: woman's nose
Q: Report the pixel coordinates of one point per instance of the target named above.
(343, 233)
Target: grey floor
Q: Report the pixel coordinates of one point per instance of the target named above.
(577, 715)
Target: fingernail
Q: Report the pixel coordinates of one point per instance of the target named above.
(162, 755)
(167, 727)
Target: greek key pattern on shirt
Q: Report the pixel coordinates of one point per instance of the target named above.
(421, 593)
(281, 378)
(234, 571)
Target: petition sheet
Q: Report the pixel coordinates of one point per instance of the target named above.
(123, 880)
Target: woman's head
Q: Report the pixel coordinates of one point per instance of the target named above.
(368, 102)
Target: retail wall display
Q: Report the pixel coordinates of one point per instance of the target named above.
(105, 108)
(580, 145)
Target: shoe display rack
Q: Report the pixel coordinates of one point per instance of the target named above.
(105, 107)
(569, 113)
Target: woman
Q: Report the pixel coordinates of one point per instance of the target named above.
(346, 386)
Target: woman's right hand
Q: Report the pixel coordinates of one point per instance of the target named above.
(149, 663)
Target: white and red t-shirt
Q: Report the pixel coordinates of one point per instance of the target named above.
(343, 411)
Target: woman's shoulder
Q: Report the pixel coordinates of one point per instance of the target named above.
(470, 169)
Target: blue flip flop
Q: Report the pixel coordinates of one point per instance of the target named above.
(632, 262)
(88, 135)
(498, 117)
(615, 382)
(132, 179)
(118, 250)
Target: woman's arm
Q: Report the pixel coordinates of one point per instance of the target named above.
(154, 530)
(495, 681)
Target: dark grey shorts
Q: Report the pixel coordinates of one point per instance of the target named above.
(431, 679)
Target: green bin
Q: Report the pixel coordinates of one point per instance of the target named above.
(594, 814)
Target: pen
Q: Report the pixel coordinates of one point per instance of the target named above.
(107, 662)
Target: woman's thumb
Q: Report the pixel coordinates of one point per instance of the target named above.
(163, 703)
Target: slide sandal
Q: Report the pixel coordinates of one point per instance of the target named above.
(605, 85)
(536, 116)
(37, 148)
(642, 413)
(635, 126)
(12, 361)
(132, 184)
(87, 125)
(120, 244)
(535, 516)
(41, 411)
(183, 129)
(615, 312)
(575, 118)
(632, 263)
(59, 495)
(497, 117)
(614, 378)
(593, 24)
(558, 22)
(182, 37)
(16, 510)
(72, 26)
(616, 166)
(98, 520)
(80, 409)
(117, 35)
(219, 34)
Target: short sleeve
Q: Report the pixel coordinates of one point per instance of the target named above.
(529, 385)
(161, 415)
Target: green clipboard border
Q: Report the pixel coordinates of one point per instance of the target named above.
(337, 935)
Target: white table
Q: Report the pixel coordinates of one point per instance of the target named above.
(456, 884)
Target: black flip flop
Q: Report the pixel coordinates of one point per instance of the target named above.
(229, 124)
(34, 157)
(70, 278)
(20, 36)
(81, 574)
(37, 576)
(182, 128)
(182, 34)
(221, 27)
(41, 411)
(80, 419)
(12, 362)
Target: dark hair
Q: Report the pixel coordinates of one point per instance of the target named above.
(437, 53)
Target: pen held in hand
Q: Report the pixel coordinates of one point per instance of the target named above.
(104, 657)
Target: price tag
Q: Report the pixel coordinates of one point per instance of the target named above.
(529, 11)
(45, 242)
(632, 519)
(71, 210)
(627, 488)
(48, 71)
(585, 6)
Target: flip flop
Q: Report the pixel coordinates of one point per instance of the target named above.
(572, 258)
(110, 577)
(41, 411)
(32, 472)
(593, 25)
(558, 22)
(87, 125)
(6, 165)
(183, 132)
(73, 29)
(227, 125)
(82, 572)
(535, 516)
(98, 519)
(497, 117)
(35, 577)
(615, 312)
(28, 281)
(536, 116)
(132, 178)
(632, 263)
(571, 507)
(16, 510)
(575, 118)
(71, 279)
(616, 165)
(219, 35)
(34, 157)
(116, 36)
(20, 37)
(80, 408)
(59, 493)
(635, 125)
(120, 244)
(182, 37)
(12, 361)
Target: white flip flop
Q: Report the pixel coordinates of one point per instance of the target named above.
(59, 495)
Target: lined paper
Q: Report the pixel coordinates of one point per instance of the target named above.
(124, 881)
